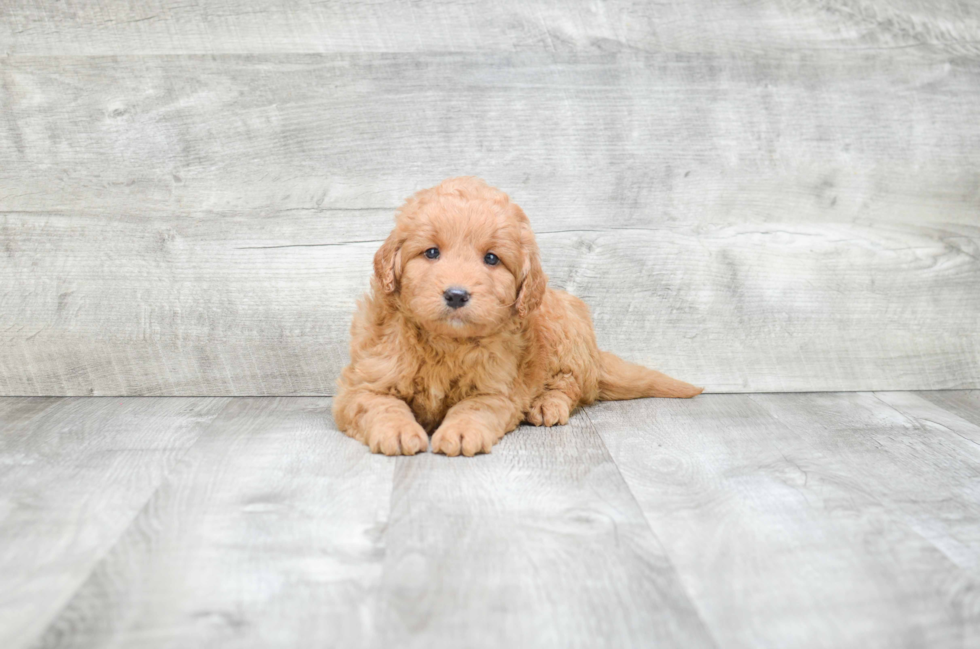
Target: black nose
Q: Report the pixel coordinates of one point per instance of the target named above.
(456, 297)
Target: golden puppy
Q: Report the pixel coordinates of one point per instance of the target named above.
(462, 336)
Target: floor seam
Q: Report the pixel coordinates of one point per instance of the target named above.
(670, 560)
(893, 508)
(53, 619)
(920, 419)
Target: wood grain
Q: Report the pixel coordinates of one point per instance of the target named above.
(538, 544)
(104, 27)
(807, 520)
(203, 225)
(736, 308)
(629, 139)
(73, 474)
(963, 403)
(916, 459)
(790, 517)
(269, 535)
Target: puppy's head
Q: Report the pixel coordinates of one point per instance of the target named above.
(462, 260)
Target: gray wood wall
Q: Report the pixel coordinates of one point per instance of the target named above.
(754, 196)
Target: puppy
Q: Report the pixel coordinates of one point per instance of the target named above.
(461, 337)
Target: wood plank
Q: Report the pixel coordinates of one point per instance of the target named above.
(270, 535)
(962, 403)
(784, 515)
(627, 139)
(736, 308)
(185, 225)
(73, 474)
(264, 26)
(538, 544)
(915, 457)
(16, 413)
(931, 414)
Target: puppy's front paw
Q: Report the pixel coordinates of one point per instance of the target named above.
(549, 409)
(465, 436)
(398, 438)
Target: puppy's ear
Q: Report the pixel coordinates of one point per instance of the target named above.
(533, 280)
(387, 263)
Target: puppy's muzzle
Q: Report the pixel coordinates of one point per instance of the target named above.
(456, 297)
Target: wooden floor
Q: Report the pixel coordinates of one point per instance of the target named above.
(765, 520)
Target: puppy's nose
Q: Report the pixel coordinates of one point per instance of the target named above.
(456, 297)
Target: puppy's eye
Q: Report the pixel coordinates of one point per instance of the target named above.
(432, 253)
(491, 259)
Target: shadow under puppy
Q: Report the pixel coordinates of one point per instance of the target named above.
(461, 335)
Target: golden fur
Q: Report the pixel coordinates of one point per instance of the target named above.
(517, 350)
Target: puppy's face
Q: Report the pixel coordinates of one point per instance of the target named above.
(464, 260)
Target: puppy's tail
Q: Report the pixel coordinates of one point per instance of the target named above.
(619, 379)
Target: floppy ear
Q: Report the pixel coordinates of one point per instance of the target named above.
(387, 263)
(533, 279)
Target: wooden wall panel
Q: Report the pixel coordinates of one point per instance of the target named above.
(109, 307)
(773, 218)
(302, 26)
(579, 141)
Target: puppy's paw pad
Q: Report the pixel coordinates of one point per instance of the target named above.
(475, 442)
(414, 440)
(406, 438)
(549, 410)
(461, 437)
(447, 440)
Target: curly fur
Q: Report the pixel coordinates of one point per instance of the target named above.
(517, 350)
